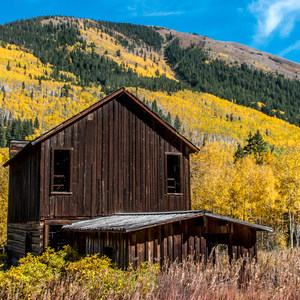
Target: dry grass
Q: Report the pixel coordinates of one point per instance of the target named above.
(276, 275)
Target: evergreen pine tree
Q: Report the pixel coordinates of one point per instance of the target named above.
(16, 129)
(3, 92)
(154, 106)
(239, 153)
(250, 146)
(255, 145)
(26, 129)
(168, 118)
(260, 146)
(36, 123)
(2, 137)
(8, 68)
(177, 123)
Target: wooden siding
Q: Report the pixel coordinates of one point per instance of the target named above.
(118, 164)
(97, 242)
(243, 242)
(194, 239)
(16, 238)
(167, 243)
(24, 188)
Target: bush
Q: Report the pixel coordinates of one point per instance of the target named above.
(64, 275)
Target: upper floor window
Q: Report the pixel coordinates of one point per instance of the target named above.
(61, 170)
(173, 173)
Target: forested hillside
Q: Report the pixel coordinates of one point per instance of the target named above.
(54, 67)
(84, 52)
(269, 93)
(68, 45)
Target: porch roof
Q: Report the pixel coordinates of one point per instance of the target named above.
(128, 222)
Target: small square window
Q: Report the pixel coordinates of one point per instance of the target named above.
(173, 173)
(61, 171)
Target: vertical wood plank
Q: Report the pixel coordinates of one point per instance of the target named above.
(133, 249)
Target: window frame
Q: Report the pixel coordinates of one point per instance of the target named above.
(179, 155)
(70, 150)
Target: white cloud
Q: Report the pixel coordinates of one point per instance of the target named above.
(163, 13)
(275, 15)
(295, 46)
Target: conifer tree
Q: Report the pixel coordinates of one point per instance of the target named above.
(154, 106)
(255, 145)
(177, 123)
(239, 153)
(2, 137)
(250, 146)
(260, 146)
(36, 123)
(168, 118)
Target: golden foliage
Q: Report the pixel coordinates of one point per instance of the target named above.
(91, 273)
(3, 196)
(47, 104)
(145, 63)
(219, 119)
(17, 67)
(259, 193)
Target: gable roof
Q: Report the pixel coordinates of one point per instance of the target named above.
(114, 95)
(128, 222)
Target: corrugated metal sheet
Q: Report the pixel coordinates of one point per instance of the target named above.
(128, 222)
(237, 221)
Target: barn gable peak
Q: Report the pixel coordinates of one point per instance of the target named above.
(116, 94)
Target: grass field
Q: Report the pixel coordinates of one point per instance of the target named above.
(63, 275)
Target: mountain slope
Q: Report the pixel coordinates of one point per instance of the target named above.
(237, 54)
(78, 61)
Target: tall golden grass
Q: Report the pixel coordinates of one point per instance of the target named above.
(275, 275)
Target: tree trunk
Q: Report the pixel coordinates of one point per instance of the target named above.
(298, 235)
(291, 217)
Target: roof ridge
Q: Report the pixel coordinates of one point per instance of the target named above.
(71, 120)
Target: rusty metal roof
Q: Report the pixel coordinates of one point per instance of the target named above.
(128, 222)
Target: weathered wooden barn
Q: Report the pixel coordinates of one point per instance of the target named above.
(115, 180)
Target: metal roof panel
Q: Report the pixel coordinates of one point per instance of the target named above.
(128, 222)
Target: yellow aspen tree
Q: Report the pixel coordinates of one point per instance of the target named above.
(288, 172)
(3, 196)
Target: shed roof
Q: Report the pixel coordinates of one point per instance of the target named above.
(114, 95)
(128, 222)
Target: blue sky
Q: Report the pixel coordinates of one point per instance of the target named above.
(268, 25)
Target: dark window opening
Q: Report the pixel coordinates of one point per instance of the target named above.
(109, 252)
(173, 174)
(61, 170)
(57, 237)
